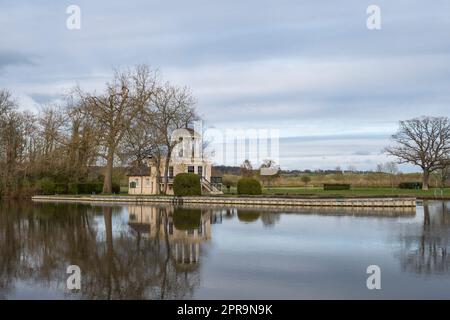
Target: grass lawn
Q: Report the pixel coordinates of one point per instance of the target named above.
(319, 192)
(358, 192)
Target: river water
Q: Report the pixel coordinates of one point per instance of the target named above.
(162, 252)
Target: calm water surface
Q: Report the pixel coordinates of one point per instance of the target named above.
(162, 252)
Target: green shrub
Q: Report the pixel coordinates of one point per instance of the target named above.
(186, 219)
(248, 186)
(336, 186)
(45, 186)
(85, 188)
(115, 188)
(410, 185)
(61, 188)
(72, 188)
(187, 184)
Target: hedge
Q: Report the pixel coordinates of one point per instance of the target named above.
(248, 186)
(116, 188)
(85, 188)
(248, 216)
(187, 184)
(61, 188)
(336, 186)
(45, 186)
(410, 185)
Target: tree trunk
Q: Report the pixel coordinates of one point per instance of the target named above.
(107, 183)
(158, 178)
(158, 173)
(426, 179)
(166, 171)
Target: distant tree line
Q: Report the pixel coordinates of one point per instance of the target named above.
(130, 120)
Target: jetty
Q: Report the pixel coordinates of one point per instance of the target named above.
(247, 201)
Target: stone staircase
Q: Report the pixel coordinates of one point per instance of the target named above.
(209, 188)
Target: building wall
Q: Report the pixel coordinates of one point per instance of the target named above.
(146, 185)
(186, 153)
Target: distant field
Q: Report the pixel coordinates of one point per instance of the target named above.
(359, 192)
(354, 192)
(357, 180)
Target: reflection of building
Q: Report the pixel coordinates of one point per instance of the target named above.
(187, 157)
(155, 222)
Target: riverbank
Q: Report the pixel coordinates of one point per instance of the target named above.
(369, 192)
(229, 200)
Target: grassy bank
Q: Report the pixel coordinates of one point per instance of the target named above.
(359, 192)
(320, 193)
(354, 192)
(355, 179)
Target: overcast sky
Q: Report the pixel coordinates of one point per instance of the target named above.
(311, 69)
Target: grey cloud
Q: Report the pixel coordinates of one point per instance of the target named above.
(41, 98)
(310, 68)
(10, 58)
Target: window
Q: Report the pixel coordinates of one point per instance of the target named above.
(200, 171)
(191, 169)
(147, 182)
(170, 172)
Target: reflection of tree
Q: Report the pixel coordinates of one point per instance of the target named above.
(248, 216)
(39, 241)
(425, 249)
(269, 219)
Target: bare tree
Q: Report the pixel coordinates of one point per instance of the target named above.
(172, 108)
(424, 142)
(133, 118)
(306, 179)
(6, 102)
(269, 171)
(81, 140)
(443, 175)
(246, 168)
(391, 168)
(12, 143)
(114, 110)
(380, 168)
(51, 121)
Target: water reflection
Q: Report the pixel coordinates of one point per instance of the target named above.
(164, 252)
(38, 242)
(183, 230)
(425, 246)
